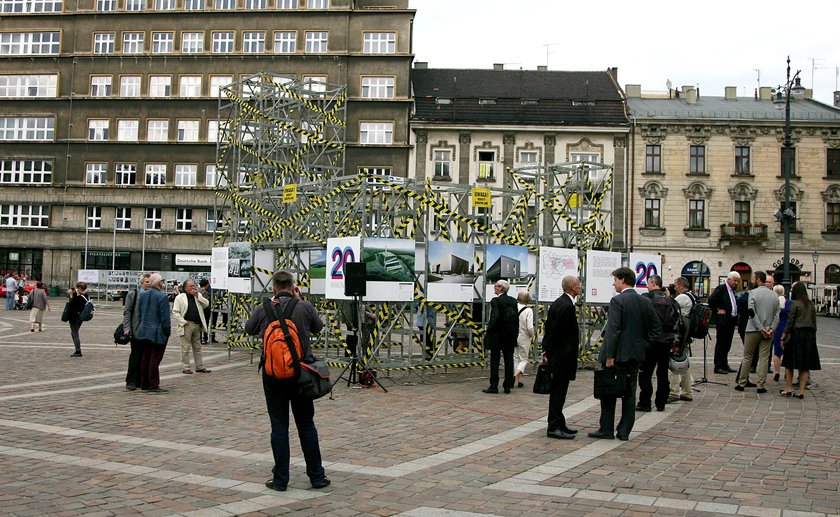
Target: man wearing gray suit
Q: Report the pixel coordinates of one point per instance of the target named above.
(632, 327)
(763, 307)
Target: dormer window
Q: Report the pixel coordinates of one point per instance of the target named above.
(443, 100)
(485, 102)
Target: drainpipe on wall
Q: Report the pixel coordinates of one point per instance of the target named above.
(632, 191)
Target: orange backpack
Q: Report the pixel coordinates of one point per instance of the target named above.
(282, 350)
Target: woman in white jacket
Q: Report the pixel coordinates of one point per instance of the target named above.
(188, 311)
(526, 335)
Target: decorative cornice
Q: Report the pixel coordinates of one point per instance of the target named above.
(654, 134)
(550, 140)
(831, 194)
(830, 137)
(742, 136)
(422, 136)
(698, 190)
(698, 135)
(653, 190)
(464, 138)
(796, 193)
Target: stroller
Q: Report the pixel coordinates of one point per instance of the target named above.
(21, 299)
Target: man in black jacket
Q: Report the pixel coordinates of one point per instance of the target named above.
(668, 312)
(560, 349)
(724, 307)
(500, 338)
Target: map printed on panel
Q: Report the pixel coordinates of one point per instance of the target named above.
(555, 263)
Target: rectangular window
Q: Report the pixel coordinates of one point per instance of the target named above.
(380, 43)
(94, 217)
(317, 4)
(223, 42)
(14, 85)
(653, 159)
(285, 42)
(100, 85)
(213, 131)
(30, 6)
(122, 218)
(377, 87)
(253, 42)
(255, 5)
(103, 43)
(133, 43)
(195, 5)
(125, 174)
(742, 160)
(190, 86)
(832, 217)
(27, 172)
(192, 42)
(165, 5)
(217, 82)
(163, 42)
(696, 214)
(130, 86)
(225, 5)
(27, 128)
(157, 131)
(316, 42)
(527, 158)
(153, 218)
(155, 174)
(791, 162)
(160, 86)
(213, 177)
(128, 130)
(106, 5)
(832, 163)
(95, 173)
(287, 4)
(742, 218)
(652, 213)
(24, 216)
(486, 163)
(98, 129)
(697, 159)
(376, 133)
(135, 5)
(29, 43)
(185, 175)
(188, 130)
(215, 219)
(183, 219)
(443, 162)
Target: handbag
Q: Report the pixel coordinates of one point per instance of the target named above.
(612, 383)
(542, 382)
(119, 336)
(314, 380)
(65, 315)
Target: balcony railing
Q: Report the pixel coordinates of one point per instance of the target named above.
(743, 232)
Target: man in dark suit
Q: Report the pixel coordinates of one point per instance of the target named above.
(500, 338)
(560, 349)
(725, 308)
(632, 327)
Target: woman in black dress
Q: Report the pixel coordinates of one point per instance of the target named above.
(801, 349)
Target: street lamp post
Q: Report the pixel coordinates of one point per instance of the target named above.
(815, 256)
(792, 86)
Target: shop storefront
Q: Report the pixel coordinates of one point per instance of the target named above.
(796, 273)
(27, 263)
(698, 275)
(745, 270)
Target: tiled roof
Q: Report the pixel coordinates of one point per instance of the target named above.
(517, 97)
(720, 108)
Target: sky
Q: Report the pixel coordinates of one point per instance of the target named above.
(711, 44)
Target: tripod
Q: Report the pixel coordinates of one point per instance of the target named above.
(355, 365)
(704, 379)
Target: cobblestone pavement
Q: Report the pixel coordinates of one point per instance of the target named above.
(73, 441)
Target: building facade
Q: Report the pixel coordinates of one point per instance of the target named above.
(109, 116)
(706, 185)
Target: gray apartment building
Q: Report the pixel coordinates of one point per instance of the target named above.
(109, 116)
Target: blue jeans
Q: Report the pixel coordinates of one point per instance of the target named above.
(10, 299)
(277, 400)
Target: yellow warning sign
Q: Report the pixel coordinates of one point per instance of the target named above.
(481, 198)
(290, 193)
(574, 200)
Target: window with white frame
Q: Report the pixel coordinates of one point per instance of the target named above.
(213, 177)
(24, 216)
(217, 82)
(195, 5)
(215, 219)
(696, 214)
(155, 174)
(213, 131)
(183, 219)
(29, 43)
(380, 43)
(94, 217)
(287, 4)
(190, 86)
(185, 175)
(27, 128)
(225, 5)
(527, 158)
(163, 42)
(316, 42)
(486, 165)
(192, 42)
(160, 85)
(153, 219)
(314, 84)
(443, 162)
(165, 5)
(130, 86)
(103, 42)
(255, 5)
(128, 130)
(122, 218)
(95, 173)
(376, 133)
(317, 4)
(377, 87)
(125, 174)
(106, 5)
(27, 172)
(188, 130)
(30, 6)
(253, 42)
(133, 43)
(100, 85)
(26, 85)
(135, 5)
(157, 130)
(223, 42)
(653, 213)
(98, 129)
(285, 42)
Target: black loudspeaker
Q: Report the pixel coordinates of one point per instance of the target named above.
(355, 277)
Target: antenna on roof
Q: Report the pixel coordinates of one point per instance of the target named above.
(668, 84)
(757, 77)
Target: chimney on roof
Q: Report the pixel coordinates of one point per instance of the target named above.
(837, 99)
(809, 93)
(542, 68)
(498, 66)
(613, 71)
(633, 91)
(421, 65)
(764, 94)
(730, 93)
(690, 94)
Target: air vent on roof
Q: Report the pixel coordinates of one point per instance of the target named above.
(530, 102)
(483, 102)
(443, 100)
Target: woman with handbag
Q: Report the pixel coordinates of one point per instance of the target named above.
(75, 304)
(525, 336)
(799, 341)
(40, 303)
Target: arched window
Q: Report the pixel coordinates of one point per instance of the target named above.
(832, 274)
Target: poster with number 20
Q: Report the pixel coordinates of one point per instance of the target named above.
(340, 250)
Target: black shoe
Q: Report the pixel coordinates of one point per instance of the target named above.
(130, 386)
(622, 437)
(491, 389)
(569, 430)
(560, 435)
(321, 484)
(520, 384)
(660, 408)
(640, 407)
(749, 384)
(76, 354)
(739, 388)
(761, 390)
(776, 377)
(507, 391)
(601, 435)
(722, 371)
(731, 370)
(270, 484)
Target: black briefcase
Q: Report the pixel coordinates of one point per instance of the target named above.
(542, 382)
(612, 383)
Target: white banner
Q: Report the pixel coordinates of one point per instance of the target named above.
(88, 276)
(599, 279)
(555, 263)
(218, 269)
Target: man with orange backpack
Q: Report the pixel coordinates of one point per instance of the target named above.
(285, 322)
